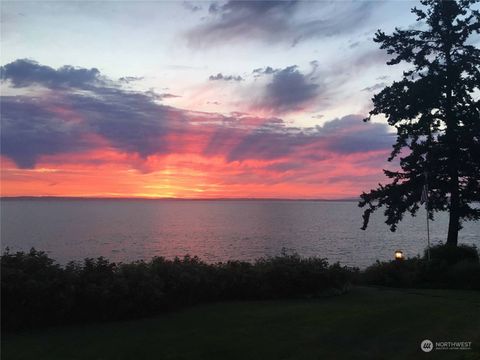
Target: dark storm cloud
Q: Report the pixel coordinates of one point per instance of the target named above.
(288, 90)
(131, 122)
(29, 130)
(276, 21)
(220, 76)
(267, 145)
(24, 72)
(274, 140)
(72, 119)
(348, 135)
(65, 120)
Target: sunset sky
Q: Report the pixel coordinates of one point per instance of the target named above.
(194, 99)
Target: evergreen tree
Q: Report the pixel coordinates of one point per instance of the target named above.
(435, 109)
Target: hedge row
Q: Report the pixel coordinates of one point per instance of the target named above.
(38, 292)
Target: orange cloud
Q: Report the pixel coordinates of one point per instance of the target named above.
(111, 174)
(82, 136)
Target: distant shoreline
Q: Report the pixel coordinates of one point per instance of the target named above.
(86, 198)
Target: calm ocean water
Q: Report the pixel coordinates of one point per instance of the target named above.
(124, 230)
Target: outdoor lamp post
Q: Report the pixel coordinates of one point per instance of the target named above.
(399, 255)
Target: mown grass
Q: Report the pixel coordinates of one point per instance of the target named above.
(366, 323)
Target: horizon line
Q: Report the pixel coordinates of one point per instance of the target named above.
(48, 197)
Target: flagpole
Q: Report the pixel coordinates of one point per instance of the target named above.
(428, 220)
(426, 189)
(428, 234)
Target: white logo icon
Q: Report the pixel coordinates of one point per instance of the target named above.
(426, 345)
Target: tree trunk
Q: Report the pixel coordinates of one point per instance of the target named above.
(452, 141)
(454, 222)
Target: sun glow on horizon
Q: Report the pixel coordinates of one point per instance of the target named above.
(188, 106)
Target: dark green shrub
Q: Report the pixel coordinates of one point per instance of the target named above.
(34, 290)
(453, 254)
(38, 292)
(464, 275)
(448, 268)
(395, 273)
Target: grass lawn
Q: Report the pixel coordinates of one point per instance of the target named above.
(366, 323)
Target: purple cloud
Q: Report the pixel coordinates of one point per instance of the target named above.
(24, 72)
(65, 120)
(275, 21)
(287, 91)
